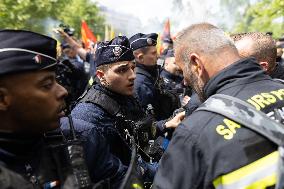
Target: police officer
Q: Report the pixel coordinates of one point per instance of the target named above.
(32, 153)
(148, 84)
(207, 149)
(71, 73)
(171, 73)
(110, 104)
(31, 104)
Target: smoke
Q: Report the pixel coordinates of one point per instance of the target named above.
(49, 24)
(222, 13)
(187, 12)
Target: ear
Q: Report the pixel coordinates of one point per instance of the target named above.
(100, 74)
(197, 65)
(264, 66)
(140, 57)
(5, 99)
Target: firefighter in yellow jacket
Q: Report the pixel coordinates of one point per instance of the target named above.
(207, 149)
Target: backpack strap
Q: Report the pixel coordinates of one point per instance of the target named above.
(101, 99)
(243, 113)
(257, 121)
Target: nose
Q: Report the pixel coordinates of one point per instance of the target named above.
(61, 92)
(132, 75)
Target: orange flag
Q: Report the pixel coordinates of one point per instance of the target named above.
(166, 34)
(167, 30)
(88, 37)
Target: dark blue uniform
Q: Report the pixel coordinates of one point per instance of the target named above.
(100, 162)
(278, 72)
(80, 76)
(211, 151)
(24, 154)
(107, 123)
(150, 89)
(192, 104)
(144, 84)
(171, 81)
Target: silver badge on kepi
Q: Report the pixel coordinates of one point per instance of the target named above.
(37, 59)
(149, 41)
(117, 51)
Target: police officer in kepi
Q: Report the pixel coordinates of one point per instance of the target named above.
(148, 84)
(208, 150)
(34, 153)
(31, 104)
(112, 107)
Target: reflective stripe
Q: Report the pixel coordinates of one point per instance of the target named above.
(256, 175)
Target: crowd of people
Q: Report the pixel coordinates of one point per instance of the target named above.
(119, 115)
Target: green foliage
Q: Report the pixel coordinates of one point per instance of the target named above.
(263, 16)
(33, 15)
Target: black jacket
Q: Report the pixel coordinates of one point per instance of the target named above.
(208, 148)
(278, 72)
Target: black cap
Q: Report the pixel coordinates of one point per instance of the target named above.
(170, 53)
(25, 51)
(116, 50)
(141, 40)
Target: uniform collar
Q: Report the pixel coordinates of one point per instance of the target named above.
(117, 97)
(278, 71)
(17, 145)
(243, 71)
(152, 70)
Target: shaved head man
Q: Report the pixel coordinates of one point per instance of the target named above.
(258, 45)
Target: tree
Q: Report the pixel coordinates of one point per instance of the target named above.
(263, 16)
(32, 15)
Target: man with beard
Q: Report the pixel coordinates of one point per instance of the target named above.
(253, 44)
(209, 150)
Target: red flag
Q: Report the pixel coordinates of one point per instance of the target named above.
(167, 30)
(166, 34)
(88, 37)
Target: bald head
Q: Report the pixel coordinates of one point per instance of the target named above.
(211, 43)
(260, 46)
(202, 50)
(204, 38)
